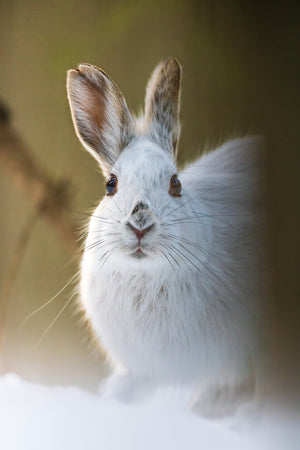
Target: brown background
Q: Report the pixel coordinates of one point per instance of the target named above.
(240, 76)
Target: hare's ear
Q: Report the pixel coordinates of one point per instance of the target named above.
(101, 118)
(162, 105)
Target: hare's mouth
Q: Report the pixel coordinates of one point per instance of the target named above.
(139, 253)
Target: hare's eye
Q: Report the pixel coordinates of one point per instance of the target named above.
(111, 185)
(175, 186)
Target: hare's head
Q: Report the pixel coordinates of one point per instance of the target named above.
(137, 157)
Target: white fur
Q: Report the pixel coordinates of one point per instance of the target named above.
(192, 319)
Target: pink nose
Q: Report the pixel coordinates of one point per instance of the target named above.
(140, 233)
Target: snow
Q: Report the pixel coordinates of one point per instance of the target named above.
(36, 417)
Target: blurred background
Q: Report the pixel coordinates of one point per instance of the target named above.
(240, 76)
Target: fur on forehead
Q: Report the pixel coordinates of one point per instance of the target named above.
(144, 157)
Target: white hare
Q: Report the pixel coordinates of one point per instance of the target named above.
(170, 275)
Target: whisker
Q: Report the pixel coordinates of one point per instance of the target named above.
(208, 216)
(193, 244)
(175, 260)
(91, 215)
(191, 199)
(55, 319)
(166, 256)
(97, 244)
(198, 269)
(104, 233)
(105, 220)
(40, 308)
(94, 244)
(118, 206)
(109, 252)
(182, 204)
(217, 215)
(204, 223)
(167, 224)
(188, 241)
(217, 279)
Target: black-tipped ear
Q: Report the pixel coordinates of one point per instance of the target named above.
(101, 118)
(162, 105)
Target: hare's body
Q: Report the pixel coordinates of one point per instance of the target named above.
(187, 316)
(169, 277)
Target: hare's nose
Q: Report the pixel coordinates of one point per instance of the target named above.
(140, 233)
(141, 219)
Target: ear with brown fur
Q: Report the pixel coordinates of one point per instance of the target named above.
(162, 105)
(101, 118)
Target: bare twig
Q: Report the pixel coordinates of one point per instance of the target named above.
(51, 198)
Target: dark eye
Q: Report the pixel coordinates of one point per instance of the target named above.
(175, 186)
(111, 185)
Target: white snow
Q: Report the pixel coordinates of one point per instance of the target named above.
(36, 417)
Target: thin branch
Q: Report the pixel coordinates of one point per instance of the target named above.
(51, 198)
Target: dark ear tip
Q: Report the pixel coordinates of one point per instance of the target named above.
(72, 72)
(86, 73)
(92, 73)
(73, 76)
(172, 63)
(84, 69)
(171, 67)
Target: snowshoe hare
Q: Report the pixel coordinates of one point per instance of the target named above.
(170, 275)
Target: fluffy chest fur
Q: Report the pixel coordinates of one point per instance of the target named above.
(175, 322)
